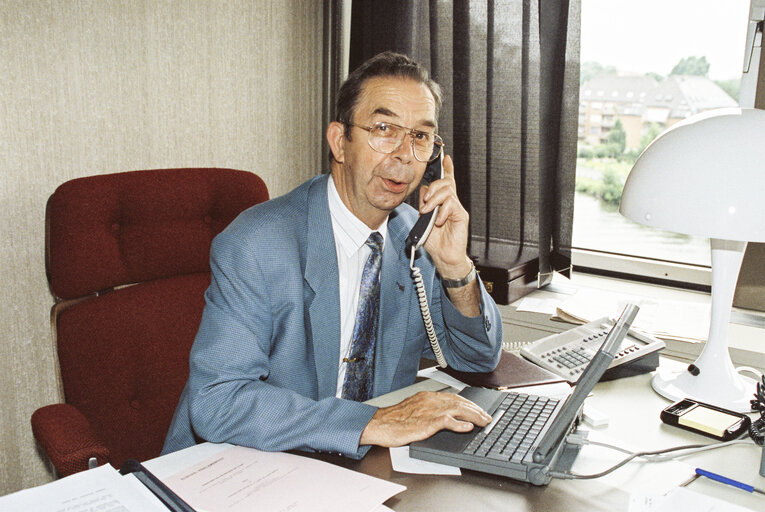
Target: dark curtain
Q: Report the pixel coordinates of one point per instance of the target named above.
(510, 75)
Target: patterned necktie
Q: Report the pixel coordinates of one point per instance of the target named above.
(359, 375)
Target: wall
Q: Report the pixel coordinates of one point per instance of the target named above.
(90, 87)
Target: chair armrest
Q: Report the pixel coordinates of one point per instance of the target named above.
(66, 437)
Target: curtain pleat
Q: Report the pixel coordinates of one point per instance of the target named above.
(509, 70)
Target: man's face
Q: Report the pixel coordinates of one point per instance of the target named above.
(371, 184)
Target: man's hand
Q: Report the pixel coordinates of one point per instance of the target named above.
(420, 416)
(447, 243)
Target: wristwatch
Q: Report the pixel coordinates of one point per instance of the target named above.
(459, 283)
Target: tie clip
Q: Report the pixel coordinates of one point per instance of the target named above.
(352, 359)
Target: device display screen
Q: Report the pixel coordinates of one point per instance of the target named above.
(708, 420)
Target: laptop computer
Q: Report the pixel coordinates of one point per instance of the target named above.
(526, 437)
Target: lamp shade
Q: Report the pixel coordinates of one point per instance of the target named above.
(703, 176)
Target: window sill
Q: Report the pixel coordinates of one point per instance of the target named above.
(746, 334)
(693, 277)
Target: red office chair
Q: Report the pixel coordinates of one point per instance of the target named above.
(127, 262)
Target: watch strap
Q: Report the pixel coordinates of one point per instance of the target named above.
(459, 283)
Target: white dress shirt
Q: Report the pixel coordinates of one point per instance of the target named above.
(350, 245)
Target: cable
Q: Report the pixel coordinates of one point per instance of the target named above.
(756, 433)
(757, 428)
(649, 456)
(422, 298)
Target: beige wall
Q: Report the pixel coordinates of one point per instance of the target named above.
(89, 87)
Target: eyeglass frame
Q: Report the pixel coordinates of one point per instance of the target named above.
(437, 140)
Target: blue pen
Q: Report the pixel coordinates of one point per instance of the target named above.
(722, 479)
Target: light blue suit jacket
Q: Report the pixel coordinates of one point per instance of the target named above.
(264, 364)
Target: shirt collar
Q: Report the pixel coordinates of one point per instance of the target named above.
(350, 233)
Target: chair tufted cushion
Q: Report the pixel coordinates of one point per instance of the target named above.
(114, 229)
(124, 360)
(141, 239)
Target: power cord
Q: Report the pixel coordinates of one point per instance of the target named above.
(756, 433)
(648, 456)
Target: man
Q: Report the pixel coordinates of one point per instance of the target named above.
(280, 361)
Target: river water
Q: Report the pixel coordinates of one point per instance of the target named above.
(600, 227)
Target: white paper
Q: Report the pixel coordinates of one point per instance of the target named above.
(545, 305)
(678, 499)
(444, 378)
(102, 489)
(687, 321)
(403, 463)
(241, 479)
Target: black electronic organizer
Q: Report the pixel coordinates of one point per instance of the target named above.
(705, 419)
(568, 353)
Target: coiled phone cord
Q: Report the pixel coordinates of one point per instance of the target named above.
(757, 428)
(422, 298)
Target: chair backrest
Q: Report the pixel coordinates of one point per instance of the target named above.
(127, 258)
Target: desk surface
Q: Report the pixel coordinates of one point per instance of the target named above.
(633, 412)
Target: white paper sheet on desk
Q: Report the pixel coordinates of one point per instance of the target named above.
(686, 321)
(444, 378)
(680, 499)
(99, 489)
(240, 479)
(546, 305)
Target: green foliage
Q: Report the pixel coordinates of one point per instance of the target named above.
(691, 66)
(609, 187)
(731, 87)
(589, 70)
(611, 192)
(617, 138)
(656, 76)
(651, 133)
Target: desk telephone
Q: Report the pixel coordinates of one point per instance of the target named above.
(568, 353)
(415, 240)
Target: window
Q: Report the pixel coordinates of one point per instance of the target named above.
(660, 59)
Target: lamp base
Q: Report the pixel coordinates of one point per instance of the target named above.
(729, 394)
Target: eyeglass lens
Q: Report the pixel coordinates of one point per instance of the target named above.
(386, 138)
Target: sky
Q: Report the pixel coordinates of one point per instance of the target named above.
(653, 35)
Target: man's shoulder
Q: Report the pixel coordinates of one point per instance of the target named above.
(284, 212)
(278, 223)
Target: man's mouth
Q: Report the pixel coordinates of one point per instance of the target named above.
(395, 186)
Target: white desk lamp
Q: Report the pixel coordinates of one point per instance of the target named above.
(706, 176)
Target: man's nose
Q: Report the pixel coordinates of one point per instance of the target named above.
(405, 151)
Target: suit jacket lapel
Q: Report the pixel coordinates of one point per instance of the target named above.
(321, 277)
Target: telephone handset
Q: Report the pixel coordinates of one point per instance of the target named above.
(415, 240)
(421, 229)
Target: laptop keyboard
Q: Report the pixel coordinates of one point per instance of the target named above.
(514, 433)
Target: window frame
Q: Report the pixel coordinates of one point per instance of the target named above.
(647, 270)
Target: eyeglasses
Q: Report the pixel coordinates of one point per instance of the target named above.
(387, 138)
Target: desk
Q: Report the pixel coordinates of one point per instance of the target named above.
(633, 411)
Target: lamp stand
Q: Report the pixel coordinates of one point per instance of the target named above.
(712, 378)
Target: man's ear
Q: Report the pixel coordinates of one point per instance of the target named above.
(336, 140)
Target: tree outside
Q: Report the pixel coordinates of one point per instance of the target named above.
(602, 168)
